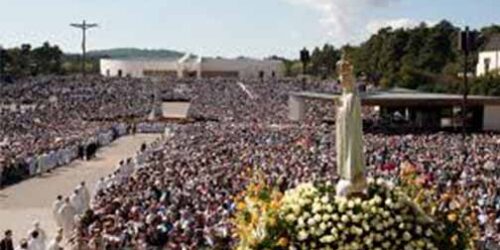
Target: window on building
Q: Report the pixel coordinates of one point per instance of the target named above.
(108, 72)
(487, 62)
(120, 73)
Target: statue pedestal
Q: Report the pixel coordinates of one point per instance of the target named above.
(347, 188)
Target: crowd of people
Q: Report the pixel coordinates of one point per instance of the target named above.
(177, 193)
(47, 122)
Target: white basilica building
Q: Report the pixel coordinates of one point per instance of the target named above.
(193, 67)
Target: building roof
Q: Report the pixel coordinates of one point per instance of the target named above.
(407, 98)
(493, 44)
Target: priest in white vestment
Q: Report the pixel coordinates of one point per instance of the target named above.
(40, 240)
(76, 200)
(67, 214)
(55, 244)
(35, 242)
(55, 210)
(85, 196)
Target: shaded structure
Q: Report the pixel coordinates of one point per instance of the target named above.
(421, 110)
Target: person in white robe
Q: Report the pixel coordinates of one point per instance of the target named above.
(76, 201)
(99, 185)
(39, 240)
(85, 196)
(67, 213)
(55, 210)
(55, 244)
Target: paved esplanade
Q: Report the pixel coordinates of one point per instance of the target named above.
(32, 199)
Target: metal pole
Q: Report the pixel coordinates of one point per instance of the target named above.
(84, 32)
(466, 81)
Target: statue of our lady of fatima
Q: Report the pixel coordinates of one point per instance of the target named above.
(349, 134)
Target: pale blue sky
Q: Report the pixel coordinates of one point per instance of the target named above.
(230, 28)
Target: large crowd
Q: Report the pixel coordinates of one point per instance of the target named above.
(177, 193)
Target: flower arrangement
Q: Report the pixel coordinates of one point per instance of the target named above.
(456, 224)
(383, 219)
(313, 217)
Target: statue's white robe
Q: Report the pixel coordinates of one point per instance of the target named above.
(349, 141)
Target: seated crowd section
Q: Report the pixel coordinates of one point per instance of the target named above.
(178, 192)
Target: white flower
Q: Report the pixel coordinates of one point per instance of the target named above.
(313, 230)
(344, 218)
(327, 239)
(290, 218)
(418, 229)
(300, 222)
(355, 246)
(350, 204)
(306, 215)
(399, 218)
(428, 232)
(316, 207)
(342, 207)
(329, 208)
(386, 214)
(325, 199)
(386, 244)
(365, 226)
(335, 217)
(311, 221)
(368, 241)
(394, 233)
(322, 226)
(326, 217)
(356, 218)
(317, 217)
(406, 236)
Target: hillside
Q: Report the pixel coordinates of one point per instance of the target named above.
(135, 53)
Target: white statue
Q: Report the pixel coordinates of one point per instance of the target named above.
(349, 134)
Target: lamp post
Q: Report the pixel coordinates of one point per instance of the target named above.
(304, 58)
(466, 43)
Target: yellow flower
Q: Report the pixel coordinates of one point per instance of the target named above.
(240, 206)
(272, 222)
(454, 239)
(283, 242)
(452, 217)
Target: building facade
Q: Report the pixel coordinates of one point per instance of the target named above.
(489, 58)
(192, 67)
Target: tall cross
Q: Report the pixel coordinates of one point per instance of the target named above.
(84, 26)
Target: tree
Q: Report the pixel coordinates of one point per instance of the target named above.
(48, 59)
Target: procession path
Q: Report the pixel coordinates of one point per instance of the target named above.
(30, 200)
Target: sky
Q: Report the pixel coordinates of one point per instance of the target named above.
(229, 28)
